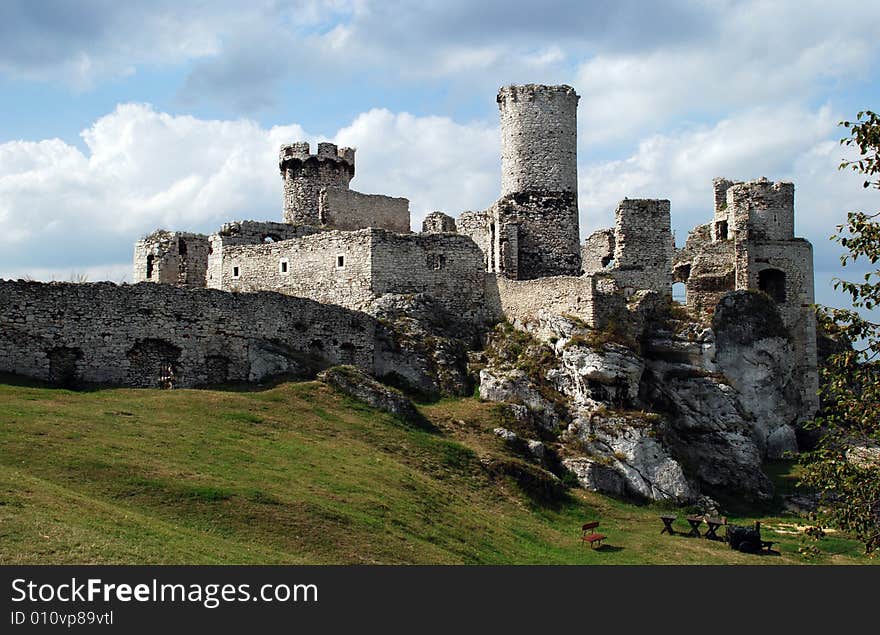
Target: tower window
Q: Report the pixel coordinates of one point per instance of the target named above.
(236, 272)
(721, 230)
(282, 266)
(772, 282)
(340, 262)
(436, 261)
(150, 265)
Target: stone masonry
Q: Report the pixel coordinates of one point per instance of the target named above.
(536, 219)
(162, 335)
(304, 175)
(750, 244)
(259, 298)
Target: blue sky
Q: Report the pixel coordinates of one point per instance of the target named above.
(118, 118)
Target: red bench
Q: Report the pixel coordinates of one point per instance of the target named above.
(590, 536)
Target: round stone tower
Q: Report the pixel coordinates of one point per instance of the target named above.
(538, 181)
(304, 175)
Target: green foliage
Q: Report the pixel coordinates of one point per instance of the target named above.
(865, 135)
(849, 481)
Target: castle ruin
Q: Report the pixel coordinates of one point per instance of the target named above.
(246, 302)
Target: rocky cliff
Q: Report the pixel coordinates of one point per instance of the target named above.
(672, 410)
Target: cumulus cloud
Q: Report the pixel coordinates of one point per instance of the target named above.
(64, 210)
(435, 162)
(751, 61)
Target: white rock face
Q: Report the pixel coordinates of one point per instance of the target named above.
(608, 374)
(627, 447)
(761, 374)
(709, 432)
(514, 387)
(714, 405)
(596, 477)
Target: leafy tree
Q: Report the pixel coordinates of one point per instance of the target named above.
(845, 466)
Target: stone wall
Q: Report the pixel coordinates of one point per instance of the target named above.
(448, 267)
(643, 247)
(304, 175)
(707, 268)
(794, 259)
(597, 251)
(536, 235)
(313, 267)
(151, 335)
(352, 269)
(475, 225)
(179, 258)
(341, 208)
(526, 300)
(538, 138)
(764, 208)
(247, 232)
(438, 223)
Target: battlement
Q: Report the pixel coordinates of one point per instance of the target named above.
(535, 92)
(304, 175)
(763, 209)
(300, 151)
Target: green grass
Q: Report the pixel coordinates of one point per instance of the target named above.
(299, 474)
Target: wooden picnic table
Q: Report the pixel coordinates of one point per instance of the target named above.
(714, 524)
(695, 522)
(667, 525)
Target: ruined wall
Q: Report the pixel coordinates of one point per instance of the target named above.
(794, 258)
(763, 208)
(151, 335)
(707, 269)
(313, 267)
(536, 235)
(438, 223)
(475, 225)
(353, 268)
(247, 232)
(446, 266)
(598, 251)
(643, 245)
(722, 221)
(341, 208)
(179, 258)
(526, 300)
(538, 183)
(304, 175)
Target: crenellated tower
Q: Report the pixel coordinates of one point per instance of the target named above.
(534, 226)
(304, 175)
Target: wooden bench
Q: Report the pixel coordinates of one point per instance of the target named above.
(591, 536)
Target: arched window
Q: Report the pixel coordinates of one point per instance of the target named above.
(772, 282)
(679, 292)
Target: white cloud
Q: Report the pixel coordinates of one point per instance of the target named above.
(63, 210)
(764, 54)
(434, 161)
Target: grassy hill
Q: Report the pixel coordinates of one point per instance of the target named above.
(300, 474)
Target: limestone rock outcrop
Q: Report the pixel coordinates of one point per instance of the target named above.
(685, 411)
(353, 382)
